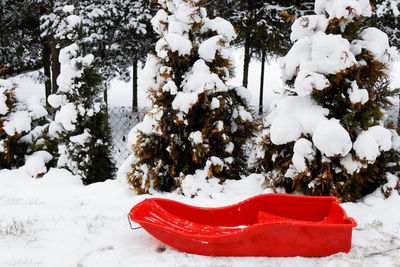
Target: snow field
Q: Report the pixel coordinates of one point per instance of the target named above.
(55, 221)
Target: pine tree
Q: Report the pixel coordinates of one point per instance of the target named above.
(20, 47)
(11, 153)
(326, 136)
(22, 131)
(262, 26)
(80, 123)
(135, 39)
(264, 29)
(198, 123)
(115, 32)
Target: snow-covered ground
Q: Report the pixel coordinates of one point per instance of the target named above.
(56, 221)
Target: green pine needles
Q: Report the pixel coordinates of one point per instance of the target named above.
(339, 143)
(198, 125)
(11, 153)
(81, 121)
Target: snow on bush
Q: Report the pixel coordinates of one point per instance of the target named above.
(6, 92)
(80, 123)
(332, 139)
(327, 135)
(198, 124)
(343, 9)
(23, 123)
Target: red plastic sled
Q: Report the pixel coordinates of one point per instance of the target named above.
(266, 225)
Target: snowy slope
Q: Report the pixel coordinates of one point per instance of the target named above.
(55, 221)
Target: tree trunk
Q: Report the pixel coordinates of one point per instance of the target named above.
(55, 65)
(398, 118)
(47, 65)
(260, 107)
(105, 95)
(135, 86)
(247, 57)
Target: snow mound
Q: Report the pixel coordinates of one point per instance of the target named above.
(18, 122)
(221, 26)
(370, 143)
(292, 116)
(332, 139)
(346, 9)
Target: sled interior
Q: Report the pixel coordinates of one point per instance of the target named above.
(265, 209)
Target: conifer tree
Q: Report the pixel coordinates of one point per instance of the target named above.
(326, 136)
(10, 152)
(118, 34)
(20, 47)
(263, 26)
(22, 131)
(80, 123)
(198, 123)
(115, 32)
